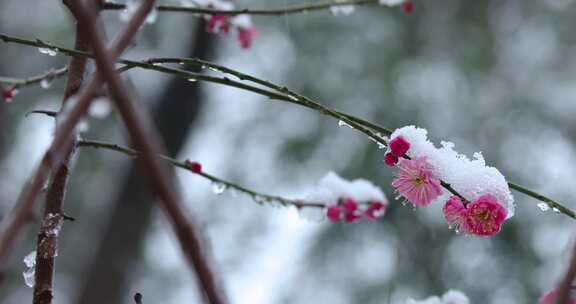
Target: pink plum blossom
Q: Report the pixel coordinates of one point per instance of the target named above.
(195, 167)
(218, 24)
(9, 93)
(374, 211)
(408, 7)
(334, 213)
(351, 212)
(550, 298)
(399, 146)
(390, 159)
(455, 213)
(485, 216)
(416, 182)
(245, 36)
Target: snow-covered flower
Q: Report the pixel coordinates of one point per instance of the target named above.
(550, 297)
(399, 146)
(455, 213)
(390, 159)
(218, 24)
(471, 178)
(484, 216)
(223, 24)
(416, 182)
(374, 211)
(349, 201)
(450, 297)
(245, 36)
(8, 94)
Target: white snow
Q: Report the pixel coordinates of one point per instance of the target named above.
(391, 2)
(472, 178)
(342, 9)
(30, 261)
(331, 187)
(450, 297)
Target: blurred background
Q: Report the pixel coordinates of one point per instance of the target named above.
(491, 76)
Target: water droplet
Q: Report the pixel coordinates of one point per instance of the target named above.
(45, 83)
(343, 123)
(234, 192)
(192, 79)
(556, 210)
(218, 188)
(259, 199)
(543, 206)
(47, 51)
(295, 98)
(28, 274)
(381, 145)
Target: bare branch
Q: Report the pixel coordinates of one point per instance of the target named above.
(149, 142)
(294, 9)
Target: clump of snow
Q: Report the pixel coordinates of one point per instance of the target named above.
(472, 178)
(391, 2)
(342, 9)
(332, 187)
(455, 297)
(29, 273)
(450, 297)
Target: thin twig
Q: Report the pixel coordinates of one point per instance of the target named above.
(258, 197)
(148, 141)
(294, 9)
(36, 79)
(151, 64)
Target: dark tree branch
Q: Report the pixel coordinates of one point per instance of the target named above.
(122, 240)
(148, 141)
(47, 245)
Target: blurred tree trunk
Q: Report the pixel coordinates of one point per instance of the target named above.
(108, 279)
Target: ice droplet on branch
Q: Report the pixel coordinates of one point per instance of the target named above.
(543, 206)
(47, 51)
(218, 188)
(30, 262)
(343, 123)
(46, 83)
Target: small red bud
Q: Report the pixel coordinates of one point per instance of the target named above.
(408, 7)
(194, 166)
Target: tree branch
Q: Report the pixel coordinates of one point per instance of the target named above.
(294, 9)
(377, 131)
(148, 141)
(36, 79)
(258, 197)
(47, 245)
